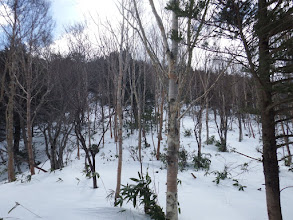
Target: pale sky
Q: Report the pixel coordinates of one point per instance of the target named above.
(66, 12)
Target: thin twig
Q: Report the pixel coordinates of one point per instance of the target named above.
(18, 204)
(207, 91)
(286, 188)
(29, 211)
(283, 158)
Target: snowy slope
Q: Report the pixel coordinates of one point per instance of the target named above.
(68, 194)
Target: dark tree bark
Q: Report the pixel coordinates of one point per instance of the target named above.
(17, 133)
(270, 37)
(270, 161)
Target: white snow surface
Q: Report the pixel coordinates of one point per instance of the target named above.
(68, 194)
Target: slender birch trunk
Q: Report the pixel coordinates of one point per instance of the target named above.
(120, 127)
(119, 113)
(161, 125)
(173, 128)
(29, 124)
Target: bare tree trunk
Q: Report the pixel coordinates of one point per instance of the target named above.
(12, 90)
(120, 126)
(135, 89)
(29, 134)
(207, 118)
(78, 149)
(17, 134)
(199, 132)
(53, 157)
(240, 127)
(110, 121)
(286, 139)
(109, 104)
(116, 127)
(103, 119)
(161, 124)
(173, 128)
(88, 158)
(119, 113)
(172, 157)
(174, 94)
(9, 131)
(23, 132)
(270, 161)
(143, 106)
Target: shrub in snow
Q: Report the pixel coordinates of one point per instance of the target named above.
(203, 162)
(140, 192)
(211, 140)
(187, 133)
(221, 175)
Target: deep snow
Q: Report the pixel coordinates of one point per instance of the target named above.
(68, 194)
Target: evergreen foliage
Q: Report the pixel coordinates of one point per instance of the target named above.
(187, 133)
(221, 145)
(140, 193)
(203, 162)
(211, 140)
(237, 184)
(221, 175)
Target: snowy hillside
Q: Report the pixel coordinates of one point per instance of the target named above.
(68, 194)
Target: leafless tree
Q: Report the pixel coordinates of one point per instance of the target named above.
(28, 27)
(176, 79)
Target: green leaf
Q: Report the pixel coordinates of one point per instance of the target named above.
(134, 179)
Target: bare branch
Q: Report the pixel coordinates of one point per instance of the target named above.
(207, 91)
(161, 27)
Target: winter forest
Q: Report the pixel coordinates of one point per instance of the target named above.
(178, 109)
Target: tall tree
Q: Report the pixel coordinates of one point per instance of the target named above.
(190, 12)
(12, 32)
(28, 31)
(123, 64)
(265, 30)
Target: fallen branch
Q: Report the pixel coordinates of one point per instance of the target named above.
(257, 159)
(24, 160)
(41, 169)
(18, 204)
(193, 175)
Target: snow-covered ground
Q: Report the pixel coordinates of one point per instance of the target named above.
(68, 194)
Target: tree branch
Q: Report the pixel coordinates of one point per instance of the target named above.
(257, 159)
(161, 27)
(207, 91)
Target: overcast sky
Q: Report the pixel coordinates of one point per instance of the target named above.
(66, 12)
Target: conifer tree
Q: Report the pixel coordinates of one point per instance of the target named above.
(265, 30)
